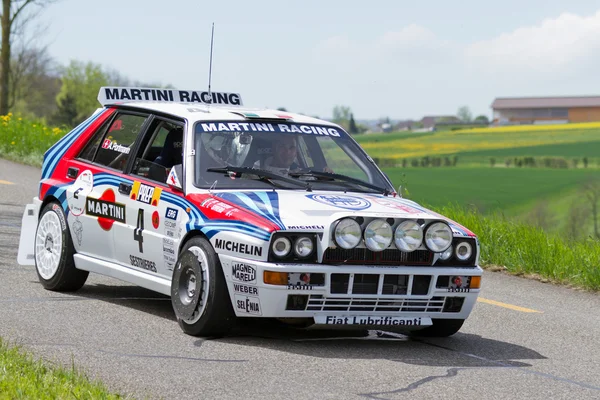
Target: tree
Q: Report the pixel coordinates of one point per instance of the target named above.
(482, 119)
(352, 128)
(13, 21)
(464, 114)
(341, 114)
(77, 98)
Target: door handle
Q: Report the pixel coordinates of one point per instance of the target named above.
(72, 172)
(125, 188)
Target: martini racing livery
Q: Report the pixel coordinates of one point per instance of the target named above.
(236, 212)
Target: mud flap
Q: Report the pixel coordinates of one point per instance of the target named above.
(26, 255)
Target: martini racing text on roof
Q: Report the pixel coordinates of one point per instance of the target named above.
(112, 95)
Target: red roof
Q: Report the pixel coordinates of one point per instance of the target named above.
(546, 102)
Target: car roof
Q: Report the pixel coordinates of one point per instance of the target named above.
(200, 112)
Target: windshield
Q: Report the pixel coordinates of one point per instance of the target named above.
(281, 149)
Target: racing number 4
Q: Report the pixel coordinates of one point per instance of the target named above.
(138, 235)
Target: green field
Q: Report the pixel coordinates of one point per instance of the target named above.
(548, 197)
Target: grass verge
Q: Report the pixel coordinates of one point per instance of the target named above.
(22, 377)
(526, 250)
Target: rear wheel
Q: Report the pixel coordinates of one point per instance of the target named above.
(199, 292)
(440, 328)
(54, 251)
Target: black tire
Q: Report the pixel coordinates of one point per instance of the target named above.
(206, 309)
(440, 328)
(61, 276)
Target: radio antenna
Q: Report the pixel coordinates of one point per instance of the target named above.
(212, 35)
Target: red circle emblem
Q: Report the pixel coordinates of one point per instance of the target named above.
(155, 219)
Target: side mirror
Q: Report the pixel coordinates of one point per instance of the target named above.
(174, 178)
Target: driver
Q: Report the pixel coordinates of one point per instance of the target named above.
(284, 156)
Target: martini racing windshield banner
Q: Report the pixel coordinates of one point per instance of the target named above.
(306, 129)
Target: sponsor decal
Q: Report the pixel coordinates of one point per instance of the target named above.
(299, 280)
(241, 248)
(106, 209)
(307, 227)
(251, 290)
(250, 305)
(459, 284)
(173, 179)
(243, 273)
(108, 95)
(341, 201)
(269, 127)
(168, 249)
(155, 220)
(219, 207)
(396, 205)
(142, 263)
(145, 194)
(61, 217)
(82, 186)
(171, 214)
(114, 146)
(371, 320)
(78, 229)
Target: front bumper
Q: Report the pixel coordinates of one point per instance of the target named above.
(351, 295)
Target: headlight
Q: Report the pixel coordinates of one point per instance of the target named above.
(303, 246)
(378, 235)
(446, 254)
(438, 237)
(282, 246)
(347, 233)
(408, 236)
(464, 251)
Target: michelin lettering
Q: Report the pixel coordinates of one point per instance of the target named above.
(241, 248)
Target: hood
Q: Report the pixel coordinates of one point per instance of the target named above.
(315, 211)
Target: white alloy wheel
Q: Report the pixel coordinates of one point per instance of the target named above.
(48, 245)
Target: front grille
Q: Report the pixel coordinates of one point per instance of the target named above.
(368, 257)
(370, 284)
(381, 304)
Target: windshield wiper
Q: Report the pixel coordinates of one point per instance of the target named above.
(239, 171)
(340, 177)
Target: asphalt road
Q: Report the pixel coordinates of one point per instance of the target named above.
(524, 340)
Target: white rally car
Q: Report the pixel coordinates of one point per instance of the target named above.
(237, 212)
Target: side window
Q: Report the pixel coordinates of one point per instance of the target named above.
(161, 152)
(118, 140)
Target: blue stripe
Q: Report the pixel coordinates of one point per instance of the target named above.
(58, 150)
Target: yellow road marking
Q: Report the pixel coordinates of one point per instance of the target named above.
(5, 182)
(505, 305)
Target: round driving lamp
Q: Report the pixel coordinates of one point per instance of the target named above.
(347, 233)
(438, 237)
(464, 251)
(282, 246)
(408, 236)
(303, 247)
(378, 235)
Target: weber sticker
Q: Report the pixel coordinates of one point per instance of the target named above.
(245, 289)
(247, 304)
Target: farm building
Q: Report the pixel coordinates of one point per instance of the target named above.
(531, 110)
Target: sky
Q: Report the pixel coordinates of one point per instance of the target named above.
(398, 59)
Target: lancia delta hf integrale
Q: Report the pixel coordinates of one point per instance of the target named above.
(236, 212)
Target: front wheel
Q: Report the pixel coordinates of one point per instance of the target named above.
(54, 251)
(440, 328)
(199, 292)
